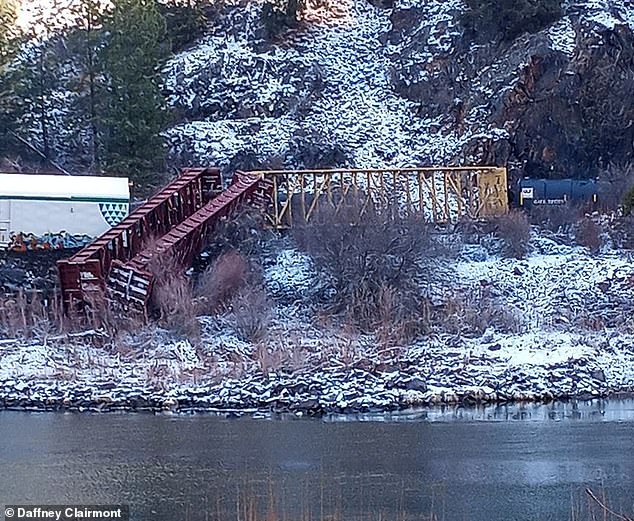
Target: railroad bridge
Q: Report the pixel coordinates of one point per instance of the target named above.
(184, 213)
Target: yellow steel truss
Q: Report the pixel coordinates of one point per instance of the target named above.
(440, 194)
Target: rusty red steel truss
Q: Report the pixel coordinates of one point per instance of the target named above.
(178, 219)
(85, 273)
(131, 282)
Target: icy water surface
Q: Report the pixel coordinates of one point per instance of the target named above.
(504, 463)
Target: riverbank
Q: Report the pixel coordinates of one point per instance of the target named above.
(176, 376)
(555, 325)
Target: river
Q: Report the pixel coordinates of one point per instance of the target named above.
(496, 463)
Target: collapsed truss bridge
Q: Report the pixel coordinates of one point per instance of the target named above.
(177, 220)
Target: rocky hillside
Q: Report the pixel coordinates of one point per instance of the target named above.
(369, 83)
(365, 85)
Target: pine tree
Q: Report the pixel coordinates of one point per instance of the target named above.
(185, 21)
(135, 112)
(85, 42)
(33, 77)
(8, 44)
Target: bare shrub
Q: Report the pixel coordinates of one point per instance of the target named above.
(270, 358)
(589, 234)
(473, 313)
(221, 281)
(589, 321)
(371, 262)
(172, 296)
(251, 314)
(556, 218)
(396, 321)
(243, 232)
(514, 230)
(30, 314)
(95, 313)
(621, 232)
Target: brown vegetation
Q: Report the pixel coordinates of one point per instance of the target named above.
(35, 315)
(515, 232)
(221, 281)
(28, 315)
(373, 265)
(616, 182)
(251, 313)
(173, 297)
(473, 313)
(589, 234)
(556, 218)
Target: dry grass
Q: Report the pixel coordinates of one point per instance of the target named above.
(32, 315)
(251, 314)
(589, 235)
(271, 358)
(555, 218)
(221, 281)
(515, 232)
(615, 183)
(29, 315)
(471, 314)
(396, 324)
(173, 297)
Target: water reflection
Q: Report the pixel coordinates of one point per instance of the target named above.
(489, 463)
(588, 410)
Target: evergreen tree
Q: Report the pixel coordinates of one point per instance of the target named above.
(185, 21)
(85, 42)
(33, 78)
(135, 112)
(8, 44)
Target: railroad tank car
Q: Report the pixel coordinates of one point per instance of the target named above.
(40, 211)
(549, 192)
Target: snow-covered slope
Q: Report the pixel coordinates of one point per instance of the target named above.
(343, 95)
(334, 82)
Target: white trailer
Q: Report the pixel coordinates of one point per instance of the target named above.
(47, 210)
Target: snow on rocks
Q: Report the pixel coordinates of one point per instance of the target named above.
(531, 367)
(562, 36)
(563, 285)
(329, 78)
(538, 367)
(572, 343)
(608, 12)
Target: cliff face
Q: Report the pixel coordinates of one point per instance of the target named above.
(370, 84)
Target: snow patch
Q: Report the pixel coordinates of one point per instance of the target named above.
(292, 273)
(562, 36)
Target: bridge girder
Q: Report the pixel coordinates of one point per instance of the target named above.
(439, 194)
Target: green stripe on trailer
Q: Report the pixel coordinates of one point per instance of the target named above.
(64, 199)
